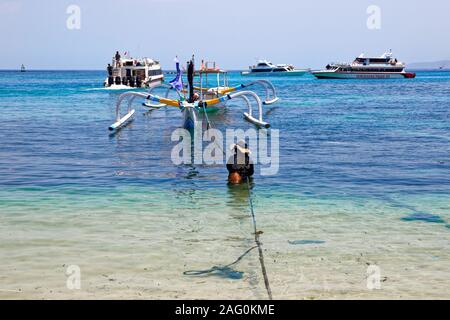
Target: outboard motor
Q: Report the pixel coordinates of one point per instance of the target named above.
(131, 81)
(117, 80)
(110, 80)
(138, 82)
(124, 81)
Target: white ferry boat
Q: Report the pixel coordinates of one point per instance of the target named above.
(133, 73)
(383, 67)
(267, 68)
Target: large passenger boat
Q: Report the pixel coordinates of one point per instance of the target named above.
(383, 67)
(127, 72)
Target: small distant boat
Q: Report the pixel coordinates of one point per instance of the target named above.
(383, 67)
(22, 68)
(267, 68)
(129, 73)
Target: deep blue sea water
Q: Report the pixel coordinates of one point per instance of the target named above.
(350, 149)
(337, 137)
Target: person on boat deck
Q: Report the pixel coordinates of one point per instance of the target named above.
(110, 69)
(117, 58)
(239, 165)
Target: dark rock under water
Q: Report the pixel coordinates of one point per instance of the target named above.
(426, 217)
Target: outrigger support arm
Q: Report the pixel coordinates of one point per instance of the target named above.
(244, 95)
(271, 94)
(248, 115)
(166, 95)
(122, 120)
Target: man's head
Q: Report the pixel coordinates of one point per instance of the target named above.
(234, 178)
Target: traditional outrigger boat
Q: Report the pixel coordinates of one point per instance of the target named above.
(201, 97)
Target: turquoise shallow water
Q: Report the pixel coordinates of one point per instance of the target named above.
(364, 179)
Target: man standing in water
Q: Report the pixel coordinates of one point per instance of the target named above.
(239, 165)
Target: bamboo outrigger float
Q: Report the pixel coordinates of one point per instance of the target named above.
(202, 98)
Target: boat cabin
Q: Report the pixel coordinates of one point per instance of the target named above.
(134, 72)
(210, 79)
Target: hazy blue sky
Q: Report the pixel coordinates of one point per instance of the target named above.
(232, 32)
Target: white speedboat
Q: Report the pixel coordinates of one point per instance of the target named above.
(125, 73)
(267, 68)
(383, 67)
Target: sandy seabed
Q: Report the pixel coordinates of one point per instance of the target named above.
(310, 253)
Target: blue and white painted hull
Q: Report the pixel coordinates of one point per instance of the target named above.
(359, 75)
(189, 118)
(292, 73)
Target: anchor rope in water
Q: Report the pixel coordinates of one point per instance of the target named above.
(209, 126)
(258, 242)
(256, 233)
(215, 268)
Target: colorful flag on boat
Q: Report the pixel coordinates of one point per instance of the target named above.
(177, 82)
